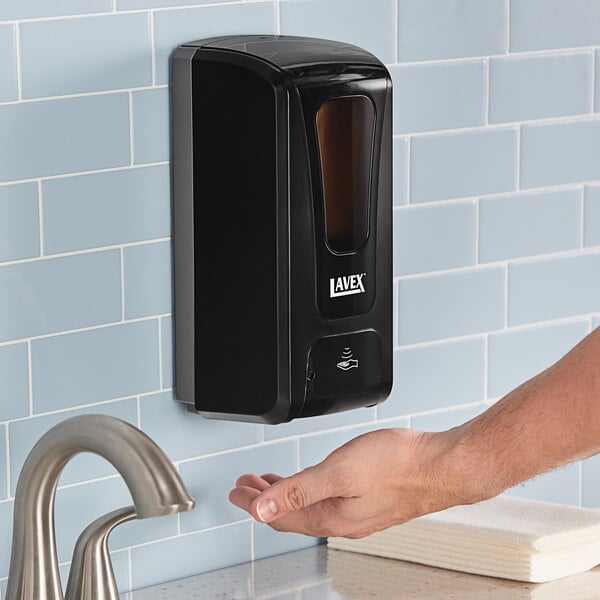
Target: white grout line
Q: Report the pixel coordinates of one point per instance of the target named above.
(477, 230)
(473, 336)
(129, 566)
(507, 36)
(594, 80)
(487, 97)
(278, 18)
(486, 366)
(582, 220)
(138, 412)
(122, 274)
(560, 187)
(41, 218)
(115, 91)
(396, 30)
(506, 297)
(30, 377)
(252, 538)
(504, 126)
(160, 355)
(518, 157)
(437, 411)
(131, 141)
(191, 533)
(81, 173)
(153, 47)
(78, 407)
(535, 259)
(408, 144)
(110, 13)
(82, 329)
(19, 62)
(7, 458)
(21, 261)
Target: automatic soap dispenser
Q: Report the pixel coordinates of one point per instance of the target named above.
(282, 227)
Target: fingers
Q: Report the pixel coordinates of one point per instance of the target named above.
(324, 519)
(271, 478)
(293, 494)
(253, 481)
(243, 496)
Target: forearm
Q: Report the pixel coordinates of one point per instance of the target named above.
(549, 421)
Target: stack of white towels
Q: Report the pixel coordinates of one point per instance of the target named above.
(512, 538)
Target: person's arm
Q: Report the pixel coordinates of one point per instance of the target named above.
(390, 476)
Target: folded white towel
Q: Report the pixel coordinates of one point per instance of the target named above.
(505, 537)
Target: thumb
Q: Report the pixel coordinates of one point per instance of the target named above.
(292, 494)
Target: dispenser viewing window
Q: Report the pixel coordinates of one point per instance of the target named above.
(345, 128)
(282, 226)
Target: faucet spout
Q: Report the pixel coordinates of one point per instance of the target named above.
(155, 486)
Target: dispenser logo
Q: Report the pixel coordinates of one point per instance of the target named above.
(346, 285)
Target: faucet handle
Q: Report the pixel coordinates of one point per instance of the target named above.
(92, 576)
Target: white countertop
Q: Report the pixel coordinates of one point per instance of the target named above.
(322, 574)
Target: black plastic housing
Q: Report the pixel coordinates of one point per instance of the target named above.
(272, 320)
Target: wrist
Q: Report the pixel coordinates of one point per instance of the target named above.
(457, 469)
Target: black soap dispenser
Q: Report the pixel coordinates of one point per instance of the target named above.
(282, 227)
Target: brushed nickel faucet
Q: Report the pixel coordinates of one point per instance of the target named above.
(92, 576)
(155, 486)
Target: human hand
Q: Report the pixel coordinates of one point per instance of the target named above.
(373, 482)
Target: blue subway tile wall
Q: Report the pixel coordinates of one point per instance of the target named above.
(560, 153)
(429, 29)
(322, 18)
(14, 375)
(64, 136)
(3, 474)
(518, 225)
(8, 66)
(457, 165)
(439, 96)
(48, 296)
(496, 258)
(560, 486)
(67, 56)
(19, 221)
(434, 238)
(436, 376)
(546, 24)
(34, 9)
(591, 233)
(450, 305)
(106, 209)
(151, 131)
(550, 289)
(146, 269)
(538, 87)
(401, 154)
(65, 367)
(515, 356)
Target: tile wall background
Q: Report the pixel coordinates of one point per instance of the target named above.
(497, 254)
